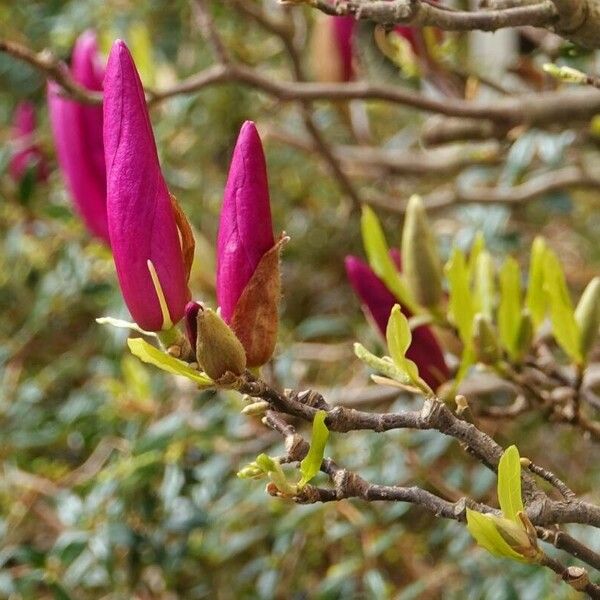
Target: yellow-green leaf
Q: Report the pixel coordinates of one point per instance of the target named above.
(509, 484)
(484, 285)
(398, 338)
(562, 315)
(477, 248)
(153, 356)
(536, 300)
(509, 310)
(311, 463)
(383, 365)
(487, 536)
(377, 251)
(461, 305)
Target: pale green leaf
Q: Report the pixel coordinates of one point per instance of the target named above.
(485, 285)
(509, 484)
(153, 356)
(477, 248)
(399, 337)
(311, 463)
(378, 255)
(509, 310)
(562, 314)
(383, 366)
(460, 305)
(487, 536)
(535, 299)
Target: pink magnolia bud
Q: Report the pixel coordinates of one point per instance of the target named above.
(248, 281)
(77, 130)
(378, 302)
(331, 49)
(27, 154)
(150, 243)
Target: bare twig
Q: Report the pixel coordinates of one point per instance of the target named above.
(51, 68)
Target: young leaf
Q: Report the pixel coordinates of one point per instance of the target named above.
(487, 536)
(398, 338)
(536, 300)
(377, 251)
(509, 484)
(509, 311)
(311, 463)
(461, 305)
(153, 356)
(382, 365)
(484, 285)
(587, 315)
(477, 248)
(562, 315)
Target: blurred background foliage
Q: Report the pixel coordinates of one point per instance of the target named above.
(117, 481)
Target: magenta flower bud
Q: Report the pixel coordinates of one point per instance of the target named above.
(77, 130)
(245, 226)
(343, 31)
(27, 154)
(378, 302)
(144, 223)
(247, 256)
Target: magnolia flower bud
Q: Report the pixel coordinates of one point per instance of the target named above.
(378, 302)
(587, 315)
(77, 131)
(218, 351)
(248, 280)
(27, 154)
(421, 260)
(332, 48)
(151, 241)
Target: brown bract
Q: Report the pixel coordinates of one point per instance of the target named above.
(255, 319)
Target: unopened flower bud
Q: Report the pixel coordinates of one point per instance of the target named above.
(217, 349)
(524, 333)
(516, 537)
(422, 264)
(587, 315)
(485, 340)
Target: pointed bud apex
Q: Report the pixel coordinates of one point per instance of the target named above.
(524, 334)
(587, 315)
(485, 341)
(217, 349)
(422, 264)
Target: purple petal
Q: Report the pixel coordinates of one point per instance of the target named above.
(77, 130)
(245, 226)
(141, 220)
(378, 301)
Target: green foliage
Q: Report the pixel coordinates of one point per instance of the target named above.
(398, 338)
(153, 356)
(509, 484)
(378, 254)
(564, 325)
(311, 463)
(509, 310)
